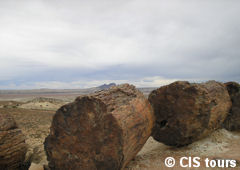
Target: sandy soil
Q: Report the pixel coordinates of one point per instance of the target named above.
(222, 144)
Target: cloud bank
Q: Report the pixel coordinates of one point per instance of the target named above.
(78, 44)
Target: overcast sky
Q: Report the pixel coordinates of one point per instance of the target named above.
(80, 44)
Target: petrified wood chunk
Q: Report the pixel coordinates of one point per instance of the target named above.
(186, 112)
(102, 131)
(12, 144)
(232, 121)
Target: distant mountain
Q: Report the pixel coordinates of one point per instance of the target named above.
(106, 86)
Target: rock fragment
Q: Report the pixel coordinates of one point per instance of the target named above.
(101, 131)
(232, 121)
(12, 145)
(186, 112)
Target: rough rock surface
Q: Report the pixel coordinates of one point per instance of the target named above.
(12, 145)
(186, 112)
(102, 131)
(233, 119)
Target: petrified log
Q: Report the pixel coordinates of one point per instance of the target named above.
(102, 131)
(186, 112)
(232, 121)
(12, 144)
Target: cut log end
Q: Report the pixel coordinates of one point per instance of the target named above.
(104, 130)
(232, 121)
(12, 145)
(186, 112)
(84, 134)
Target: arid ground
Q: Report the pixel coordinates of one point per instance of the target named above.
(33, 114)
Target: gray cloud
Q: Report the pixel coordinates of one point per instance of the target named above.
(95, 41)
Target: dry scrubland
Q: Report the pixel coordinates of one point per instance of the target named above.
(34, 115)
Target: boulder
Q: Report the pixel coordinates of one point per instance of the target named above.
(232, 121)
(186, 112)
(12, 145)
(100, 131)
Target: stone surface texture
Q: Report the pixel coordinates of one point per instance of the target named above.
(232, 122)
(100, 131)
(12, 144)
(186, 112)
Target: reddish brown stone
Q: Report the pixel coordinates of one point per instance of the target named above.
(232, 121)
(101, 131)
(186, 112)
(12, 145)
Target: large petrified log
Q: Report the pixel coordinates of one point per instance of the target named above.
(186, 112)
(102, 131)
(232, 121)
(12, 145)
